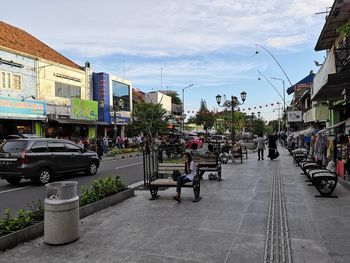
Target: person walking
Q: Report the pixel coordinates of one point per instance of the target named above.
(261, 146)
(273, 153)
(99, 147)
(190, 172)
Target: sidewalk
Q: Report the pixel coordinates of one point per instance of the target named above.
(228, 225)
(120, 156)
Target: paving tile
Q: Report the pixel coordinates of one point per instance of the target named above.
(190, 244)
(309, 251)
(253, 224)
(259, 207)
(247, 249)
(302, 228)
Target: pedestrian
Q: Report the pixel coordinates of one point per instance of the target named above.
(105, 145)
(261, 146)
(273, 153)
(99, 148)
(190, 172)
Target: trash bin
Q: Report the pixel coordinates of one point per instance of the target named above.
(61, 213)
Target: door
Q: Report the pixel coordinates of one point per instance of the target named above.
(77, 159)
(57, 154)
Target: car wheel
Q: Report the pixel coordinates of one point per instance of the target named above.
(13, 181)
(44, 176)
(92, 169)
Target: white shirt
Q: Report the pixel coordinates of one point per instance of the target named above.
(193, 171)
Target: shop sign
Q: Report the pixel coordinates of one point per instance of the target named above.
(294, 116)
(17, 108)
(84, 109)
(121, 120)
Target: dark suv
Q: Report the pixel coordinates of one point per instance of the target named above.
(40, 159)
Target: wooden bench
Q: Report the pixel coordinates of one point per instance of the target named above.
(208, 164)
(323, 179)
(163, 178)
(237, 152)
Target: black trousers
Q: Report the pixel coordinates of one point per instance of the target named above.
(262, 154)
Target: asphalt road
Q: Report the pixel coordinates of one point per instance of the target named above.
(130, 171)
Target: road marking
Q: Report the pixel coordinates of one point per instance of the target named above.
(120, 167)
(11, 190)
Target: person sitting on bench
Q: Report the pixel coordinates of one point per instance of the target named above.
(190, 172)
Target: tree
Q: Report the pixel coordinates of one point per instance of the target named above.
(175, 99)
(258, 126)
(149, 118)
(204, 116)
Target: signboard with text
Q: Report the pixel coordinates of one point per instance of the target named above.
(84, 109)
(17, 108)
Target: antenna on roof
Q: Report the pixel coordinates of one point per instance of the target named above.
(328, 10)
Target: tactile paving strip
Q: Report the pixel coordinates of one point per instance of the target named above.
(277, 243)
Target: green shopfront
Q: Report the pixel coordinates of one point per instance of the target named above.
(82, 123)
(21, 116)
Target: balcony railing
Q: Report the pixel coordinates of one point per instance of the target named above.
(316, 114)
(342, 55)
(321, 78)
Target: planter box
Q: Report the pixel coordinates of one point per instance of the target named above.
(104, 203)
(37, 230)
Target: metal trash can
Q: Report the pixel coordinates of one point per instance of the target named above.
(61, 213)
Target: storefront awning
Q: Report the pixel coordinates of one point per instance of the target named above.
(72, 121)
(305, 82)
(334, 88)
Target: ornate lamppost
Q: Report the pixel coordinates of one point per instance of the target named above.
(115, 109)
(233, 103)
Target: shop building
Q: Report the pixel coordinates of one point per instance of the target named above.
(46, 75)
(20, 111)
(114, 97)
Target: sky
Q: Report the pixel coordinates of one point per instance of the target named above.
(171, 44)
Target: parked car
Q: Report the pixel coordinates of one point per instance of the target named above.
(42, 159)
(21, 135)
(217, 139)
(194, 140)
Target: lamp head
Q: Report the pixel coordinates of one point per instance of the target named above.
(243, 95)
(257, 52)
(218, 99)
(259, 113)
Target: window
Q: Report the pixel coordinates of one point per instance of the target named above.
(3, 80)
(16, 82)
(121, 91)
(56, 147)
(39, 147)
(67, 91)
(13, 146)
(72, 148)
(10, 81)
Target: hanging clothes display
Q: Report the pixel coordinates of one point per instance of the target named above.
(320, 148)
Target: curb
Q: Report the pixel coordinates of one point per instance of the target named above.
(34, 231)
(120, 157)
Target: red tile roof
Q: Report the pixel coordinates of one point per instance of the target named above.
(17, 39)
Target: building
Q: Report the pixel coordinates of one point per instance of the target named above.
(20, 109)
(114, 95)
(62, 87)
(331, 84)
(158, 97)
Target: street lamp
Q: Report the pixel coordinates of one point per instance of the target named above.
(115, 108)
(257, 52)
(183, 105)
(234, 102)
(259, 113)
(253, 114)
(284, 102)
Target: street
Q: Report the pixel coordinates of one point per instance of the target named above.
(130, 171)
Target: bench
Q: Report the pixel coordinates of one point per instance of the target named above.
(208, 164)
(244, 151)
(237, 152)
(163, 178)
(323, 179)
